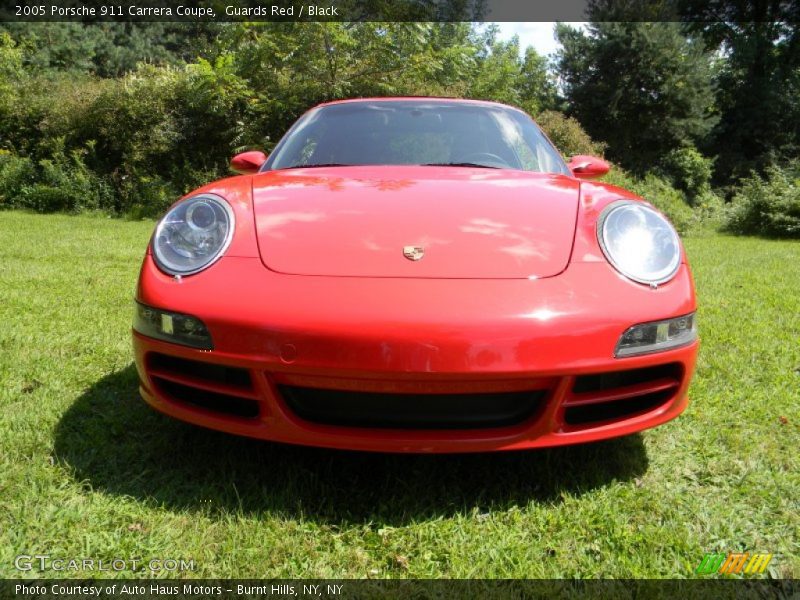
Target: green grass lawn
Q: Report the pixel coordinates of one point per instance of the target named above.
(88, 470)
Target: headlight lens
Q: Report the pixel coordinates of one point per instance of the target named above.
(639, 242)
(657, 336)
(171, 327)
(193, 235)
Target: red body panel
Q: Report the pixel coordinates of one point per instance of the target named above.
(355, 221)
(337, 333)
(314, 291)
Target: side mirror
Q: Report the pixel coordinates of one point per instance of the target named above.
(248, 163)
(588, 167)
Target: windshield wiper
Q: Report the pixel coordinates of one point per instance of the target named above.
(444, 164)
(315, 165)
(458, 164)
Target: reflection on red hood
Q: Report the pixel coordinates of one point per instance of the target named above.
(468, 222)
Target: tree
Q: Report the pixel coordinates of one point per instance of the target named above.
(500, 74)
(109, 49)
(291, 66)
(497, 72)
(536, 84)
(759, 83)
(10, 73)
(642, 87)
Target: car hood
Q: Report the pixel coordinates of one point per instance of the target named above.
(468, 222)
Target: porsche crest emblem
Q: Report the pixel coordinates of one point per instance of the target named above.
(413, 252)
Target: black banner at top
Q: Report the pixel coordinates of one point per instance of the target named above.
(370, 10)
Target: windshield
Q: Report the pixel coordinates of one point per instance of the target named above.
(416, 132)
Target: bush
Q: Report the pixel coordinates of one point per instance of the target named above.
(568, 135)
(160, 132)
(710, 210)
(63, 183)
(131, 145)
(767, 206)
(15, 173)
(689, 171)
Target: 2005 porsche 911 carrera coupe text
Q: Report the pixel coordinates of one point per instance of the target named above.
(416, 275)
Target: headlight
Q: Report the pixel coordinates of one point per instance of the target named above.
(657, 336)
(193, 235)
(639, 242)
(171, 327)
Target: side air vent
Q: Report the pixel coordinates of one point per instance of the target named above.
(619, 394)
(218, 388)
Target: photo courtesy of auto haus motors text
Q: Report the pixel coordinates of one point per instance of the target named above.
(353, 299)
(183, 589)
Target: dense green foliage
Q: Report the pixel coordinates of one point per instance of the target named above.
(690, 171)
(109, 49)
(127, 117)
(10, 65)
(643, 88)
(568, 135)
(751, 59)
(61, 183)
(768, 205)
(137, 142)
(758, 82)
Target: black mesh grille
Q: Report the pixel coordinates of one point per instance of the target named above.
(411, 411)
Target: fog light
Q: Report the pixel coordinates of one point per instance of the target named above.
(171, 327)
(657, 336)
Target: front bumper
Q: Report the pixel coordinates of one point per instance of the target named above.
(385, 335)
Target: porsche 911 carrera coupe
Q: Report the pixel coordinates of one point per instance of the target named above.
(416, 275)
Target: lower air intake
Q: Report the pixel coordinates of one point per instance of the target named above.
(220, 403)
(411, 411)
(218, 388)
(616, 395)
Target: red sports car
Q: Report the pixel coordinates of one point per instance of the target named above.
(416, 275)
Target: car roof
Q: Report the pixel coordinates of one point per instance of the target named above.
(417, 98)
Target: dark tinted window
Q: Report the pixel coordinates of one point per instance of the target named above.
(408, 132)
